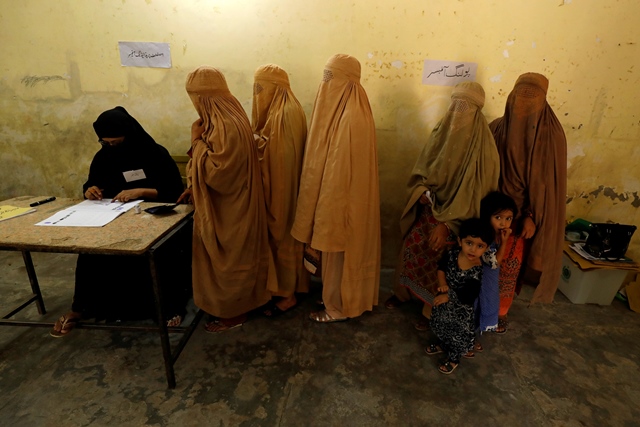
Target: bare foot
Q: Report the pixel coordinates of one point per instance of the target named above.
(286, 303)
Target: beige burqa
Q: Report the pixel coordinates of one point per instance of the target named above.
(339, 201)
(459, 165)
(533, 160)
(230, 243)
(280, 128)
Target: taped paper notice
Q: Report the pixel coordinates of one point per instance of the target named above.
(448, 73)
(145, 54)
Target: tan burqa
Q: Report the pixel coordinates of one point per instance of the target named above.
(459, 165)
(280, 128)
(230, 243)
(533, 159)
(339, 201)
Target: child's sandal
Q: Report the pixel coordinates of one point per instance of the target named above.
(448, 367)
(432, 349)
(477, 348)
(502, 326)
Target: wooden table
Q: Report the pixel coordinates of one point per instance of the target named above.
(130, 234)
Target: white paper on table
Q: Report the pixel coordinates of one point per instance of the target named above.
(89, 213)
(105, 205)
(80, 218)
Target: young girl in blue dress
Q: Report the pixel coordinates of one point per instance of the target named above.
(497, 209)
(459, 281)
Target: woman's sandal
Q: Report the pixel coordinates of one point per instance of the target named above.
(324, 317)
(502, 326)
(393, 302)
(64, 325)
(432, 349)
(448, 367)
(221, 325)
(175, 321)
(272, 310)
(422, 324)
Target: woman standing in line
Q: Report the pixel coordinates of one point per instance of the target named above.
(280, 129)
(338, 210)
(231, 253)
(533, 172)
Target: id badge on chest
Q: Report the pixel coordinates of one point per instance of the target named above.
(134, 175)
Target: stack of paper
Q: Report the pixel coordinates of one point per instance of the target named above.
(90, 213)
(580, 250)
(7, 211)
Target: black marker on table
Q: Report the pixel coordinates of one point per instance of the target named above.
(42, 202)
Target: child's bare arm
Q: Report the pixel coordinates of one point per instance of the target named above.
(442, 282)
(504, 236)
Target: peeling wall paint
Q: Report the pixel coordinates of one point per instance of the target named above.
(56, 79)
(626, 197)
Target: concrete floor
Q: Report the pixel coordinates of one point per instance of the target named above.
(558, 365)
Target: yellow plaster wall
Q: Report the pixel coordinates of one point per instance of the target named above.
(60, 68)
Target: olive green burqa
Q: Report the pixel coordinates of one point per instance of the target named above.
(459, 164)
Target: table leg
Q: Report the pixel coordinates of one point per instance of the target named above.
(162, 323)
(33, 279)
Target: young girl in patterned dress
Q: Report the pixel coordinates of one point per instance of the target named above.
(459, 281)
(497, 209)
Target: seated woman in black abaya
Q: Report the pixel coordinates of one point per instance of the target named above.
(126, 148)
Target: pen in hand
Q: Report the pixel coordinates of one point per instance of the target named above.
(42, 202)
(93, 193)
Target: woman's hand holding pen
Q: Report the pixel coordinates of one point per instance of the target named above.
(93, 193)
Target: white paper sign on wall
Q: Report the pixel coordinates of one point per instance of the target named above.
(448, 73)
(145, 54)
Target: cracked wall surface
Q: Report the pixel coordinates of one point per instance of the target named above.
(61, 69)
